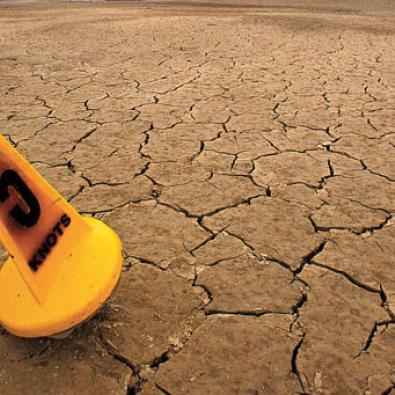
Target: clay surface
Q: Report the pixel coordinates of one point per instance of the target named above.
(244, 152)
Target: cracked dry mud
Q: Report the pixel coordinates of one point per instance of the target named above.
(245, 155)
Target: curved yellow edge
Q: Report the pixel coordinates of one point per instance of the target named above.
(87, 278)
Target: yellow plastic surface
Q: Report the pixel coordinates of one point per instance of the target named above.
(88, 276)
(63, 266)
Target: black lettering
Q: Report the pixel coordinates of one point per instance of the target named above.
(10, 178)
(51, 240)
(58, 229)
(43, 251)
(34, 263)
(65, 220)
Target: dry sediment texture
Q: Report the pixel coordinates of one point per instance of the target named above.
(246, 158)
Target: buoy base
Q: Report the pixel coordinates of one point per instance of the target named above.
(87, 279)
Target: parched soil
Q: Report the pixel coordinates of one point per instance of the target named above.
(245, 153)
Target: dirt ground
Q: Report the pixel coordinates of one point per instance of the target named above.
(245, 155)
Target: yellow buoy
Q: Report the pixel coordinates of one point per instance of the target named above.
(62, 266)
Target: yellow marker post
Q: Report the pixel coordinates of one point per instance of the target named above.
(62, 266)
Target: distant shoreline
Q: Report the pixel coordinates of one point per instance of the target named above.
(383, 8)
